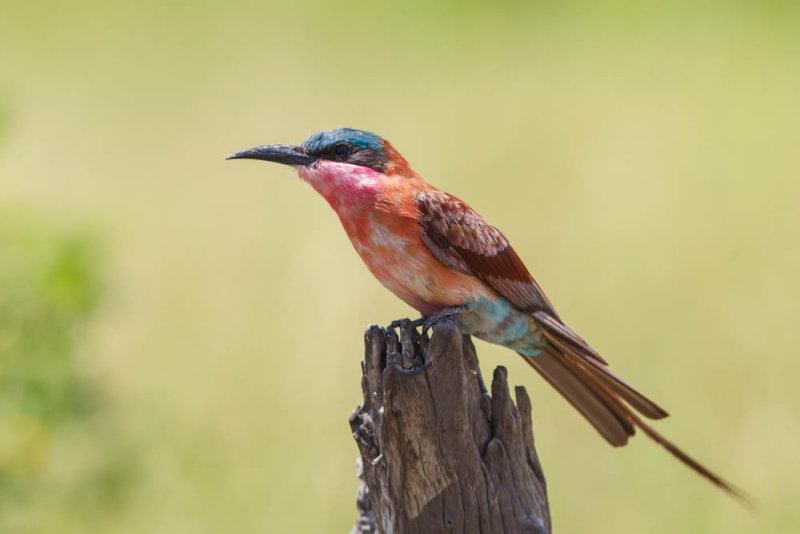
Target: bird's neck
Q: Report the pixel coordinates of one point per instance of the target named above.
(362, 197)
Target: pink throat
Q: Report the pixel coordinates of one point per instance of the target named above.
(341, 184)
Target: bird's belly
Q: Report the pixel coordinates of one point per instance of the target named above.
(405, 266)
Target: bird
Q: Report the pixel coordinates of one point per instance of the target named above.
(437, 254)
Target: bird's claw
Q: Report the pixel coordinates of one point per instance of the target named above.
(428, 323)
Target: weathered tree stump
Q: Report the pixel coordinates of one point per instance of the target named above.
(438, 454)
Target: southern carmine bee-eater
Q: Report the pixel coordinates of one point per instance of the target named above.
(438, 255)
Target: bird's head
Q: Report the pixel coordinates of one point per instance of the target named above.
(342, 164)
(344, 146)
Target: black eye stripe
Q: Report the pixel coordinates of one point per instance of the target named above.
(354, 155)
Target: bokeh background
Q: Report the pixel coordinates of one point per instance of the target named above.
(180, 336)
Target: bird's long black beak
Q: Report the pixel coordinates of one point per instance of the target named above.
(286, 154)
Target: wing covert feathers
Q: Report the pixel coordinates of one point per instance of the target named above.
(462, 240)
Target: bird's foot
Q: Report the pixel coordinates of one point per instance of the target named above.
(409, 349)
(397, 323)
(428, 322)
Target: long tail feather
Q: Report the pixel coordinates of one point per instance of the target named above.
(693, 464)
(573, 345)
(596, 406)
(598, 397)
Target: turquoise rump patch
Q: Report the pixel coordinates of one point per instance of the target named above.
(498, 321)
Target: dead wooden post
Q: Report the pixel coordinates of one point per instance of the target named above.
(438, 454)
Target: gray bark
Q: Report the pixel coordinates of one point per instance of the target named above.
(438, 454)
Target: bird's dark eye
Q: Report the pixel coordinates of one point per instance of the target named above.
(341, 151)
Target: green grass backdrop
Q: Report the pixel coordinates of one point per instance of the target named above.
(181, 335)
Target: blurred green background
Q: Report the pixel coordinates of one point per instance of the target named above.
(180, 336)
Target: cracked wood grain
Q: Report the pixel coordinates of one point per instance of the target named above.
(438, 453)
